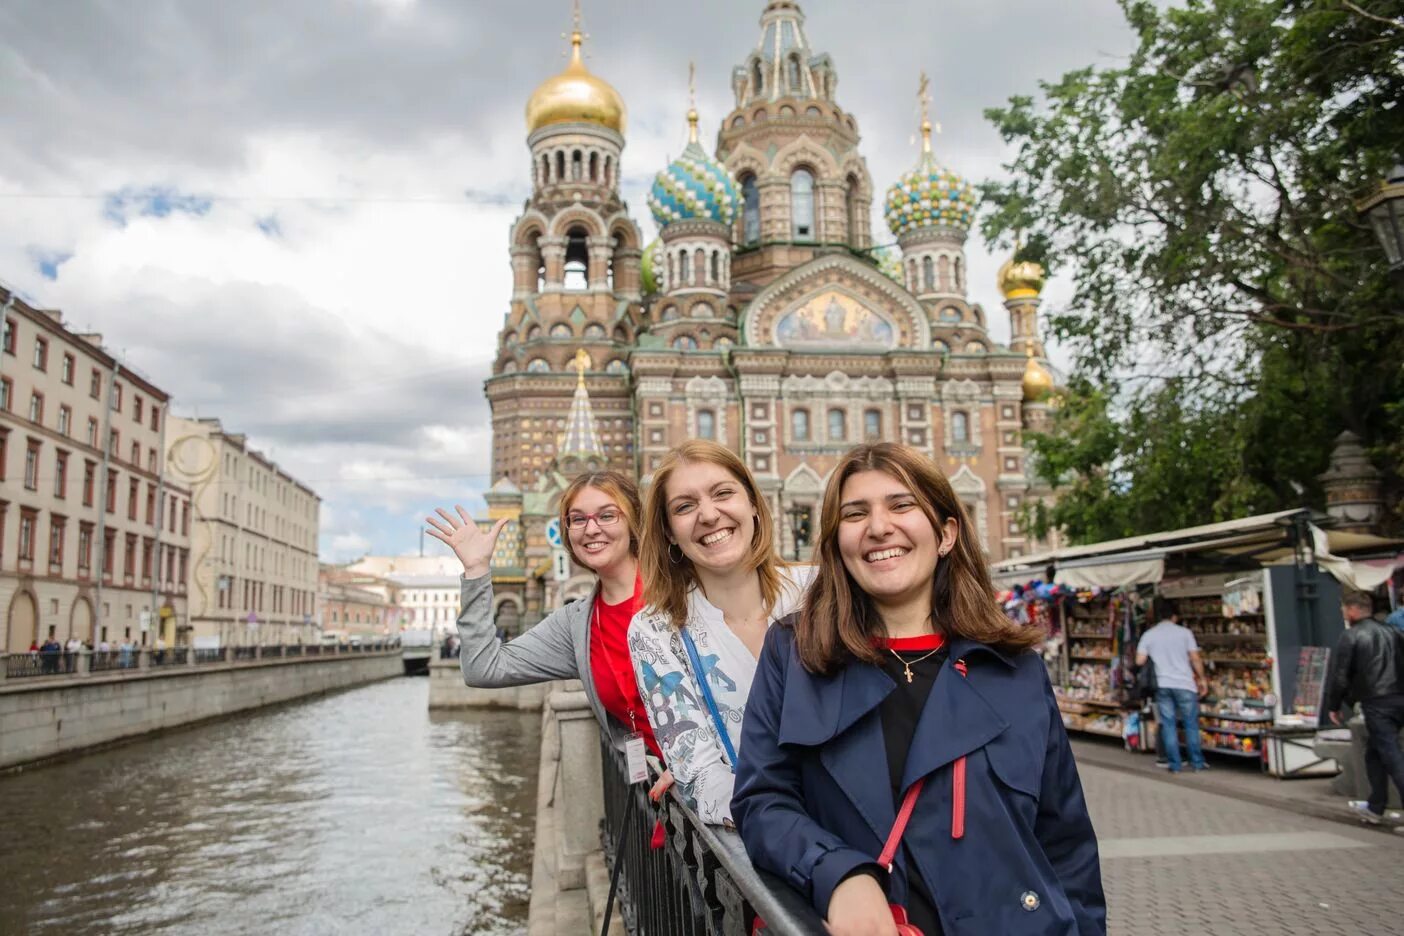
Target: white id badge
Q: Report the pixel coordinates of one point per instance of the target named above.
(634, 758)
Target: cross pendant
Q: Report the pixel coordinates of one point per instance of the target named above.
(909, 673)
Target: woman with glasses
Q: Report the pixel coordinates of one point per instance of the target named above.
(600, 519)
(902, 745)
(712, 586)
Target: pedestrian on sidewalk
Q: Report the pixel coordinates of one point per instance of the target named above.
(1180, 683)
(1367, 668)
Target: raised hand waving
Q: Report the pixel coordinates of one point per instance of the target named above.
(470, 543)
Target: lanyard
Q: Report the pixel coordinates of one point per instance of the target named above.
(613, 670)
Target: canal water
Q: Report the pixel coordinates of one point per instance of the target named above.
(359, 812)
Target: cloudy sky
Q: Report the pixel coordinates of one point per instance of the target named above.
(293, 214)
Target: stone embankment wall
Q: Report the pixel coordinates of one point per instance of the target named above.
(52, 717)
(448, 691)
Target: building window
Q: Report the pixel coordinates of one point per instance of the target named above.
(92, 432)
(56, 529)
(802, 204)
(799, 425)
(31, 465)
(67, 371)
(7, 390)
(114, 443)
(111, 505)
(155, 418)
(928, 274)
(136, 454)
(960, 427)
(60, 474)
(85, 547)
(129, 558)
(838, 426)
(89, 476)
(707, 425)
(10, 329)
(29, 519)
(750, 211)
(872, 425)
(117, 397)
(138, 407)
(36, 407)
(95, 384)
(914, 411)
(685, 343)
(65, 420)
(4, 453)
(133, 488)
(41, 353)
(759, 411)
(150, 504)
(577, 259)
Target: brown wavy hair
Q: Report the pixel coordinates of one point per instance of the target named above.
(619, 487)
(666, 582)
(839, 622)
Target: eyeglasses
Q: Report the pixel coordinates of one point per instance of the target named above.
(605, 518)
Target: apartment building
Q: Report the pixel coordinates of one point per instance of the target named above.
(356, 603)
(94, 537)
(254, 537)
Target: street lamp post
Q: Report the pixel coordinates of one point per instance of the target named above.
(1384, 210)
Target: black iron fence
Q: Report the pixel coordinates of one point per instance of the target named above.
(700, 882)
(170, 656)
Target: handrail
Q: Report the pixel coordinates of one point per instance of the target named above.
(48, 666)
(700, 883)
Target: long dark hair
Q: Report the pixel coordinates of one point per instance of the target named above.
(838, 622)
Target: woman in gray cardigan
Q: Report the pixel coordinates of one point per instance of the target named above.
(585, 640)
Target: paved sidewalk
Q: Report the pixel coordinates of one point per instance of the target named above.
(1181, 858)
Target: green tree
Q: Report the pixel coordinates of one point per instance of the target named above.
(1232, 314)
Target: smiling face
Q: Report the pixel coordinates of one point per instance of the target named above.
(886, 540)
(710, 516)
(598, 545)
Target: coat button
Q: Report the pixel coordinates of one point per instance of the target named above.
(1029, 901)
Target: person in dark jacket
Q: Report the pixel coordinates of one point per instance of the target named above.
(1367, 667)
(901, 657)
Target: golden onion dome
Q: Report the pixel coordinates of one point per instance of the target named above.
(1038, 382)
(575, 96)
(1021, 280)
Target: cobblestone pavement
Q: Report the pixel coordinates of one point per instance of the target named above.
(1179, 860)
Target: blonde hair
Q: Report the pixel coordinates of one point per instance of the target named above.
(624, 493)
(666, 582)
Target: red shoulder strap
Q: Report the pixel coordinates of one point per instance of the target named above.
(894, 838)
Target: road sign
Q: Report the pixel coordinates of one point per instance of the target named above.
(553, 532)
(560, 562)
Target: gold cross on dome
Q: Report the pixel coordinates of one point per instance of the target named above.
(924, 99)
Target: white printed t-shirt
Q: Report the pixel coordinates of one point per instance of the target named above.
(676, 708)
(1169, 645)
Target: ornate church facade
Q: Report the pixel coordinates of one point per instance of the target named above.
(762, 316)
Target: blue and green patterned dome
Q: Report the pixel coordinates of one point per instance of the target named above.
(695, 186)
(929, 196)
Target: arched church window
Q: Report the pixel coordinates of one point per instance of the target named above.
(608, 170)
(510, 367)
(699, 266)
(545, 169)
(701, 310)
(738, 122)
(872, 425)
(561, 330)
(802, 204)
(685, 343)
(838, 426)
(538, 366)
(799, 425)
(594, 167)
(796, 83)
(560, 165)
(684, 268)
(616, 366)
(758, 78)
(716, 267)
(940, 346)
(943, 268)
(975, 347)
(533, 333)
(707, 425)
(577, 259)
(670, 313)
(750, 210)
(928, 274)
(850, 206)
(960, 427)
(812, 111)
(594, 330)
(959, 274)
(576, 164)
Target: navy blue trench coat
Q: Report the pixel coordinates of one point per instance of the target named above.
(1010, 850)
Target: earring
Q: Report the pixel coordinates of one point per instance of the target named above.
(670, 554)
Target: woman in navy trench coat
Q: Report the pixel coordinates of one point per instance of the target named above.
(901, 659)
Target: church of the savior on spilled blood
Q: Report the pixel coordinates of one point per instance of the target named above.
(762, 316)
